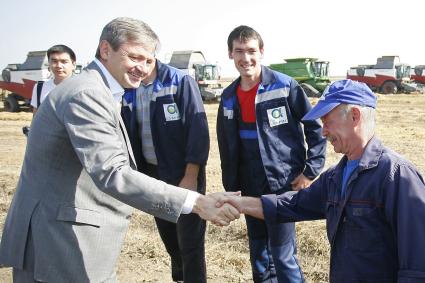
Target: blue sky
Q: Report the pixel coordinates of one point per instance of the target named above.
(344, 32)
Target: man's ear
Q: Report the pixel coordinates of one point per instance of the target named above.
(356, 115)
(230, 54)
(104, 49)
(262, 53)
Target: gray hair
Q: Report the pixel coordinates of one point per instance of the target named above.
(368, 117)
(122, 30)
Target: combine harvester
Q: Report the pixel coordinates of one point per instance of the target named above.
(207, 75)
(418, 74)
(310, 73)
(20, 94)
(19, 80)
(387, 76)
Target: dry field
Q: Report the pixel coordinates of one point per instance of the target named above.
(401, 125)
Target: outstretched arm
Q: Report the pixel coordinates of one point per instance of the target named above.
(206, 208)
(247, 205)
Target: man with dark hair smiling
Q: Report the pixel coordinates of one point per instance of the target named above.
(62, 62)
(262, 147)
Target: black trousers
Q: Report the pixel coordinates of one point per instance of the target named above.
(184, 240)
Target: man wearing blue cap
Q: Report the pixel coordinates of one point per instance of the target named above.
(373, 200)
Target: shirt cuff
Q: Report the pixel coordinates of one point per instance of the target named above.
(269, 203)
(189, 202)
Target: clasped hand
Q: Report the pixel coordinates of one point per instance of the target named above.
(212, 208)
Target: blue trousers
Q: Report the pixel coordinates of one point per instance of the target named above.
(272, 247)
(273, 252)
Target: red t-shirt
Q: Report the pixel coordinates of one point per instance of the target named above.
(247, 103)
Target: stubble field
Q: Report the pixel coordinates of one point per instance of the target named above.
(401, 126)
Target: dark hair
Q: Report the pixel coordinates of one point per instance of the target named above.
(122, 30)
(243, 34)
(60, 48)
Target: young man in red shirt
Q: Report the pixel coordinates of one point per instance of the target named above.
(262, 149)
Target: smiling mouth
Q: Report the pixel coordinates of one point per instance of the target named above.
(135, 75)
(246, 66)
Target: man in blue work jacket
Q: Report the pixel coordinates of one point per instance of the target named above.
(168, 129)
(373, 200)
(262, 149)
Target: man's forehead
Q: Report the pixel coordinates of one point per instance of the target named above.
(250, 42)
(60, 55)
(139, 49)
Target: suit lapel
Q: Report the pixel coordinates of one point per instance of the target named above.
(94, 66)
(127, 142)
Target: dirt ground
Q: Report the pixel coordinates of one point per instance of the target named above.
(401, 125)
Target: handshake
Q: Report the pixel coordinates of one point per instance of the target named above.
(224, 207)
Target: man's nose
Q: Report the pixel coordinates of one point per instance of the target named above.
(142, 67)
(245, 56)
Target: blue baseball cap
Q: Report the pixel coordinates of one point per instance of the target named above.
(343, 91)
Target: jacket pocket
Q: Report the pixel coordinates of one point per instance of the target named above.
(79, 215)
(363, 227)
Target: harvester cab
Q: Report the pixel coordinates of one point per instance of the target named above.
(321, 68)
(206, 72)
(208, 76)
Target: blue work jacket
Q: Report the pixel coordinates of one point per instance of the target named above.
(377, 230)
(180, 136)
(280, 104)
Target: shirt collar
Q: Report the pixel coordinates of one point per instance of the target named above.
(116, 89)
(369, 159)
(146, 85)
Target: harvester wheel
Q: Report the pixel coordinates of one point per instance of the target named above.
(389, 87)
(11, 104)
(6, 75)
